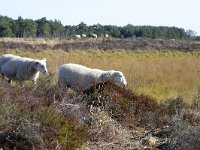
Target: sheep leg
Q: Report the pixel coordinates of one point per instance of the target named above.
(34, 82)
(9, 81)
(3, 76)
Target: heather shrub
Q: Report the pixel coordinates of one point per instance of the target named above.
(45, 116)
(18, 130)
(185, 130)
(30, 120)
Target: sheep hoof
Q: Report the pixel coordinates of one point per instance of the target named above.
(9, 81)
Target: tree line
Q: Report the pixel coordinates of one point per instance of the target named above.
(43, 28)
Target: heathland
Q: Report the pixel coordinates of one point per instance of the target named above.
(160, 101)
(163, 75)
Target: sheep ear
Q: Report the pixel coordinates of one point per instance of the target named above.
(117, 74)
(44, 59)
(37, 63)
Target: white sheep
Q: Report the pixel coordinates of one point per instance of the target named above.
(93, 35)
(84, 36)
(106, 35)
(4, 58)
(21, 68)
(81, 78)
(78, 36)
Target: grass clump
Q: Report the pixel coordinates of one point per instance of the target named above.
(61, 130)
(71, 137)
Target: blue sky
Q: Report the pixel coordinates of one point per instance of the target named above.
(179, 13)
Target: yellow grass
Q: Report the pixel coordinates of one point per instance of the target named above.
(162, 75)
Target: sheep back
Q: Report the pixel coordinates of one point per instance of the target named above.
(4, 58)
(78, 77)
(20, 68)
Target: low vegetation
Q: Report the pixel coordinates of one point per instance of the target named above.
(48, 117)
(133, 44)
(159, 109)
(163, 75)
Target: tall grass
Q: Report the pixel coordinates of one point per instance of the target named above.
(163, 75)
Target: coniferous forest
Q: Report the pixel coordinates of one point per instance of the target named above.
(43, 28)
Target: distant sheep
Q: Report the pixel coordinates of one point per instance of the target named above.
(84, 36)
(93, 35)
(81, 78)
(78, 36)
(21, 68)
(106, 35)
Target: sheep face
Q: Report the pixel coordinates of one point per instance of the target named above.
(41, 66)
(116, 76)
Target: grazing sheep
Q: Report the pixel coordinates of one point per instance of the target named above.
(21, 68)
(78, 36)
(93, 35)
(106, 35)
(84, 36)
(81, 78)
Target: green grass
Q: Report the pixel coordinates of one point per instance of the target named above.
(163, 75)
